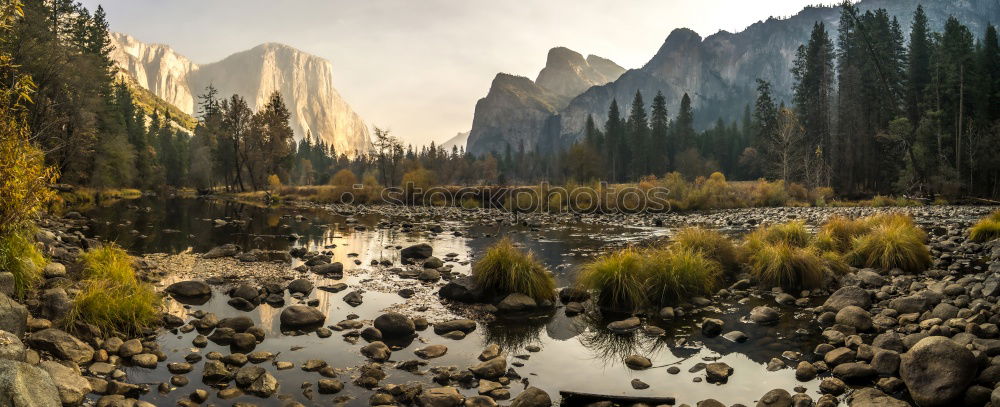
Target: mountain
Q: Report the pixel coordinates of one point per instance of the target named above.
(518, 111)
(305, 82)
(459, 141)
(718, 72)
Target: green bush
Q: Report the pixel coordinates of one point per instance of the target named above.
(986, 229)
(19, 256)
(711, 243)
(506, 269)
(112, 297)
(788, 266)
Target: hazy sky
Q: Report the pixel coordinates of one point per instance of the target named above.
(418, 67)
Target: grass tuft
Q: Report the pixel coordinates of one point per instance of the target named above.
(507, 270)
(893, 242)
(20, 257)
(113, 298)
(680, 273)
(711, 243)
(618, 276)
(788, 266)
(986, 229)
(633, 279)
(837, 233)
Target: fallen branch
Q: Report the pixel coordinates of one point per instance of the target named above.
(573, 398)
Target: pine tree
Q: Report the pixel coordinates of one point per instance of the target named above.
(919, 66)
(683, 127)
(637, 146)
(659, 127)
(614, 136)
(813, 92)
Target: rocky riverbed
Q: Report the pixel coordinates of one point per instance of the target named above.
(317, 305)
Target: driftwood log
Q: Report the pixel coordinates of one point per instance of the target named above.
(574, 398)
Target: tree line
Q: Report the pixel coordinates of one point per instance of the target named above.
(872, 112)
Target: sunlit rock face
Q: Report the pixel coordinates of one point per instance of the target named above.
(305, 82)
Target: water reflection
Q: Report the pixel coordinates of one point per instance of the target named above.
(577, 353)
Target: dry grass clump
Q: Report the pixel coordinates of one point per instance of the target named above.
(679, 273)
(838, 232)
(113, 298)
(506, 269)
(20, 257)
(788, 266)
(893, 242)
(711, 243)
(634, 279)
(986, 229)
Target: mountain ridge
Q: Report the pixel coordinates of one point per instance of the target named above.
(718, 71)
(305, 81)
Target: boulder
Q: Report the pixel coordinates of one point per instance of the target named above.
(532, 397)
(71, 385)
(490, 369)
(909, 304)
(189, 288)
(711, 327)
(637, 362)
(718, 372)
(334, 268)
(295, 316)
(11, 347)
(418, 251)
(395, 325)
(61, 345)
(376, 351)
(517, 302)
(775, 398)
(302, 286)
(849, 295)
(855, 317)
(238, 324)
(764, 315)
(13, 316)
(462, 289)
(625, 325)
(431, 351)
(440, 397)
(868, 396)
(24, 385)
(936, 370)
(463, 325)
(226, 250)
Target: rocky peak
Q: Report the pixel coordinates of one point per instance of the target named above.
(568, 74)
(305, 82)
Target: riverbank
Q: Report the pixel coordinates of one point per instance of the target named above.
(239, 338)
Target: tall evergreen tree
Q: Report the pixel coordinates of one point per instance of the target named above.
(659, 127)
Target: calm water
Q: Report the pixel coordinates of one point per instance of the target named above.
(578, 353)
